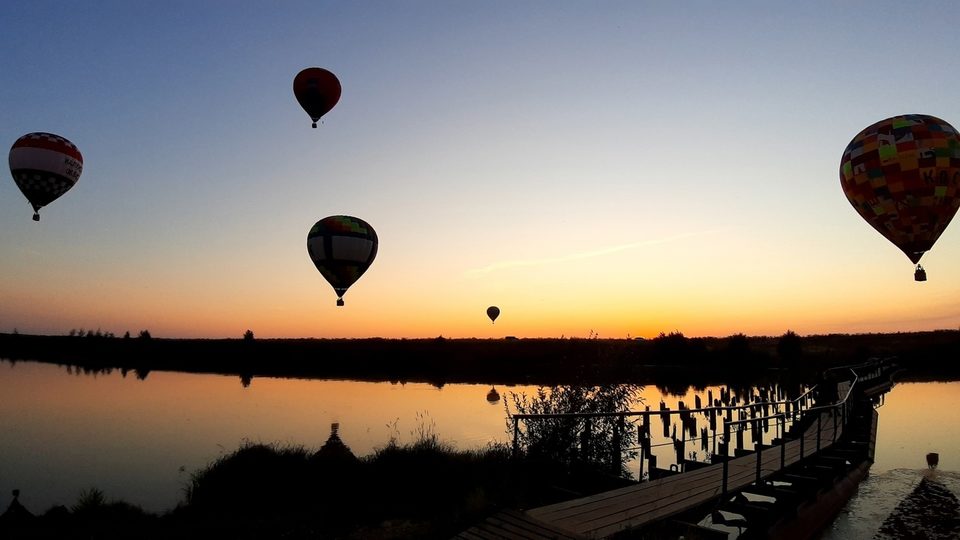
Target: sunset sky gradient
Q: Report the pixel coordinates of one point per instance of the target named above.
(622, 168)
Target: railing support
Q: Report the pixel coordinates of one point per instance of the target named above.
(819, 429)
(759, 448)
(726, 458)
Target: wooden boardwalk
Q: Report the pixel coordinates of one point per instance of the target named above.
(607, 513)
(516, 526)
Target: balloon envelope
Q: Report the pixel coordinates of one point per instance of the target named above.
(342, 248)
(44, 166)
(902, 175)
(493, 312)
(317, 90)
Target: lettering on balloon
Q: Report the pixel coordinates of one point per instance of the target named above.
(72, 168)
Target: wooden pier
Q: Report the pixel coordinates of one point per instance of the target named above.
(789, 488)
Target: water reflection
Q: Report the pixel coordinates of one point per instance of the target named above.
(138, 438)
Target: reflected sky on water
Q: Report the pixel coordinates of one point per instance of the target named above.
(139, 440)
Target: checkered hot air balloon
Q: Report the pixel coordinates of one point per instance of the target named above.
(902, 175)
(44, 166)
(317, 90)
(342, 248)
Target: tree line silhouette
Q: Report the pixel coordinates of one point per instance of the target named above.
(667, 358)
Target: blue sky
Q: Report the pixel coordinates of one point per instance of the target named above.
(668, 166)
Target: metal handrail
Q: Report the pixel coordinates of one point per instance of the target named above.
(797, 407)
(841, 405)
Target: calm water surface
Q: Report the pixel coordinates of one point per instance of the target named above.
(139, 440)
(915, 418)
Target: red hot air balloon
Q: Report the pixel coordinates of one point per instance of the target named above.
(317, 90)
(902, 175)
(342, 248)
(493, 312)
(44, 166)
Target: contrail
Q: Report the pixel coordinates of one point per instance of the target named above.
(476, 272)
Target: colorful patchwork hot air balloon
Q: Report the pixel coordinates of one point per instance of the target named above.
(493, 312)
(342, 248)
(317, 90)
(902, 175)
(44, 166)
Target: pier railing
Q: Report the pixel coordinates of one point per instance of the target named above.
(759, 426)
(681, 428)
(838, 413)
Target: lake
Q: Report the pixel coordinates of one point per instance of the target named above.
(139, 440)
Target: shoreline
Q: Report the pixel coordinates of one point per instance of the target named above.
(666, 360)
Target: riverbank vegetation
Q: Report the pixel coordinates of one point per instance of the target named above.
(666, 359)
(425, 489)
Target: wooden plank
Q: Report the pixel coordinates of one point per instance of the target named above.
(476, 533)
(674, 481)
(511, 531)
(528, 523)
(513, 525)
(612, 511)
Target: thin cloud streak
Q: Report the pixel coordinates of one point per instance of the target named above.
(477, 272)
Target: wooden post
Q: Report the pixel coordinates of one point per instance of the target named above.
(819, 428)
(783, 444)
(615, 455)
(726, 458)
(642, 447)
(759, 459)
(585, 440)
(516, 439)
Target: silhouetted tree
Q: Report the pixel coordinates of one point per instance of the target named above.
(145, 334)
(603, 441)
(673, 348)
(790, 347)
(738, 346)
(126, 335)
(248, 335)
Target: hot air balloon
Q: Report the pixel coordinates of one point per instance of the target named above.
(493, 312)
(902, 175)
(317, 90)
(44, 166)
(342, 248)
(493, 397)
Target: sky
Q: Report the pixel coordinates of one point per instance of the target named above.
(618, 169)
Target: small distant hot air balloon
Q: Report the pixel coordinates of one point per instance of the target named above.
(493, 396)
(44, 166)
(342, 248)
(317, 90)
(902, 175)
(493, 312)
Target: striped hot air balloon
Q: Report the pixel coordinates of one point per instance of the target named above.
(342, 248)
(44, 166)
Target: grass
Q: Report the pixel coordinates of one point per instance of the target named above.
(423, 489)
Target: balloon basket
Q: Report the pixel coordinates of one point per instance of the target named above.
(36, 216)
(339, 302)
(920, 274)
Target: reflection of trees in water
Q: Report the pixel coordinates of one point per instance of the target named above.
(604, 441)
